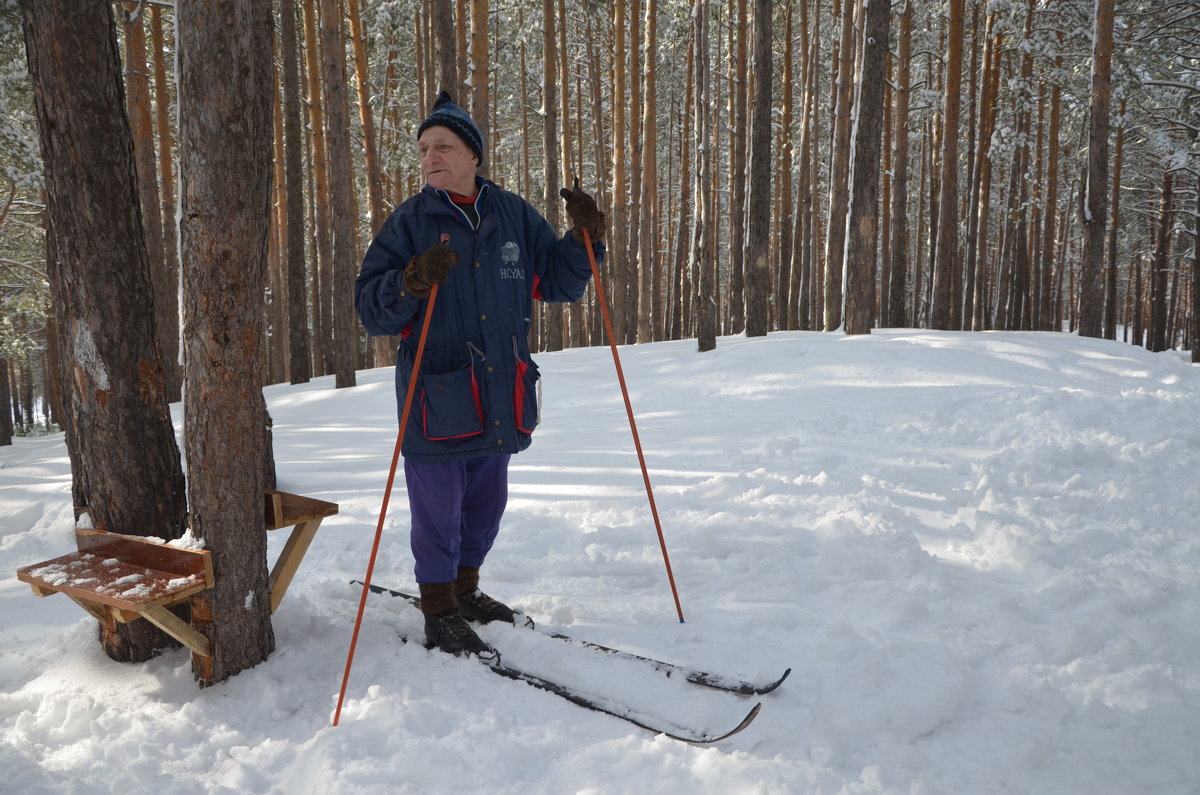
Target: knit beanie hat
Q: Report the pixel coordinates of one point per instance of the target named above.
(447, 114)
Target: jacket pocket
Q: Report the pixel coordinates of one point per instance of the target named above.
(527, 403)
(450, 405)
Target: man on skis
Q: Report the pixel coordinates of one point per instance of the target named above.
(476, 399)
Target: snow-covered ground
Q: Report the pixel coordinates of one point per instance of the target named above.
(977, 552)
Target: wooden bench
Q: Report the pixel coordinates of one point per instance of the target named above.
(131, 577)
(127, 578)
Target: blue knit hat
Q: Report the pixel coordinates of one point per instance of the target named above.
(447, 114)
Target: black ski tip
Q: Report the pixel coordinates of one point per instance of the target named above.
(773, 685)
(707, 739)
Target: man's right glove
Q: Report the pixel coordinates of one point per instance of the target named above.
(428, 269)
(584, 214)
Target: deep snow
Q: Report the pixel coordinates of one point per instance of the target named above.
(977, 552)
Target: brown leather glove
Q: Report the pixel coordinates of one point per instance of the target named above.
(428, 269)
(584, 214)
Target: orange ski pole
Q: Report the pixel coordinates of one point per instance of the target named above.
(637, 443)
(387, 494)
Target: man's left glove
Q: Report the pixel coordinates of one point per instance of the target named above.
(584, 214)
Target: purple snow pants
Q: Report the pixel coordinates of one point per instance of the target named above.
(456, 508)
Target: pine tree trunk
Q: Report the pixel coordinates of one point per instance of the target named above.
(682, 290)
(275, 368)
(946, 283)
(1196, 285)
(376, 206)
(481, 111)
(1157, 333)
(564, 312)
(739, 134)
(120, 438)
(861, 246)
(446, 46)
(602, 156)
(896, 314)
(839, 170)
(757, 283)
(617, 261)
(981, 182)
(1050, 216)
(168, 329)
(633, 215)
(225, 128)
(137, 87)
(343, 207)
(781, 263)
(6, 417)
(552, 339)
(703, 261)
(648, 266)
(299, 355)
(463, 49)
(1094, 202)
(319, 201)
(1110, 285)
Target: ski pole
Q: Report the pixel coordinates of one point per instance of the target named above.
(387, 493)
(637, 443)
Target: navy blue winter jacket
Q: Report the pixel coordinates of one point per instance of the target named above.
(477, 389)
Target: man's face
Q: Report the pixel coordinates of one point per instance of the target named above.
(446, 162)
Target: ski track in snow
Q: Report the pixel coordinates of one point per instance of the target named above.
(977, 551)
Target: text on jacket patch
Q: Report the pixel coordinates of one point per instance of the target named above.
(510, 254)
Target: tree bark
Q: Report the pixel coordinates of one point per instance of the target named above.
(1157, 332)
(757, 283)
(895, 314)
(1110, 279)
(481, 112)
(225, 128)
(1094, 201)
(703, 260)
(1196, 282)
(137, 87)
(552, 337)
(861, 247)
(319, 204)
(124, 457)
(946, 282)
(785, 220)
(446, 46)
(739, 134)
(1045, 312)
(299, 355)
(616, 262)
(168, 329)
(6, 416)
(342, 206)
(648, 265)
(839, 198)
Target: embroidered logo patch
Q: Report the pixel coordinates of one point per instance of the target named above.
(510, 252)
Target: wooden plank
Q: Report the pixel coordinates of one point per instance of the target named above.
(289, 559)
(174, 626)
(111, 581)
(97, 611)
(273, 508)
(296, 508)
(146, 553)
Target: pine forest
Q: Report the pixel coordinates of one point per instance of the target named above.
(763, 164)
